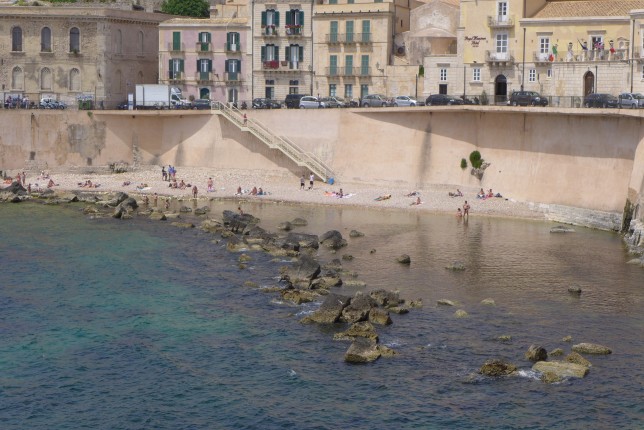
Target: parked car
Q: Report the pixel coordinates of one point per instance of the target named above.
(374, 100)
(201, 104)
(601, 100)
(401, 101)
(265, 103)
(292, 101)
(629, 100)
(334, 102)
(123, 106)
(527, 98)
(310, 102)
(443, 99)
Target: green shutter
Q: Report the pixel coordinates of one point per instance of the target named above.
(263, 18)
(348, 61)
(302, 18)
(333, 1)
(300, 55)
(364, 65)
(176, 40)
(263, 53)
(170, 71)
(209, 66)
(333, 37)
(277, 19)
(333, 65)
(181, 65)
(277, 53)
(289, 17)
(287, 51)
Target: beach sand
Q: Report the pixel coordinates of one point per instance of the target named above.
(281, 187)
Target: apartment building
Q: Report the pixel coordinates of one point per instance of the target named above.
(209, 58)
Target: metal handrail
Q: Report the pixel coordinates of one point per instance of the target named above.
(290, 149)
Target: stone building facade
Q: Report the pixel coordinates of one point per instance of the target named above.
(69, 53)
(209, 58)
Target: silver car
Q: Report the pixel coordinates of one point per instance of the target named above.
(629, 100)
(310, 102)
(405, 101)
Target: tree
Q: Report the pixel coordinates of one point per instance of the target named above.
(195, 8)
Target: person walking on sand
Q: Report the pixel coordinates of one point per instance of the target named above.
(210, 185)
(245, 120)
(311, 179)
(466, 209)
(302, 182)
(195, 191)
(164, 174)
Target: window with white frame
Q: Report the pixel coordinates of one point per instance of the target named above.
(476, 74)
(544, 45)
(532, 75)
(443, 75)
(332, 90)
(502, 11)
(502, 43)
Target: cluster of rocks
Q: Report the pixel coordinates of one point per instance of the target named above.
(574, 365)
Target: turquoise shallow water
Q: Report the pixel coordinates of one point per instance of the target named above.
(134, 325)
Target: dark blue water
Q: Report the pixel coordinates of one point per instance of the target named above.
(108, 324)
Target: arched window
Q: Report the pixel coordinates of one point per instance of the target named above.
(119, 42)
(74, 40)
(118, 79)
(74, 80)
(17, 79)
(141, 47)
(16, 39)
(45, 79)
(45, 39)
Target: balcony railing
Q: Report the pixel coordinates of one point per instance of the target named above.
(233, 77)
(176, 47)
(587, 55)
(205, 47)
(175, 76)
(204, 77)
(348, 38)
(542, 57)
(500, 21)
(270, 31)
(495, 57)
(271, 64)
(294, 30)
(282, 66)
(347, 71)
(232, 47)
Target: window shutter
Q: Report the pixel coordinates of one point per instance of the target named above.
(277, 53)
(288, 53)
(277, 19)
(264, 18)
(263, 53)
(301, 22)
(289, 17)
(209, 65)
(226, 65)
(208, 37)
(181, 65)
(349, 27)
(170, 71)
(198, 65)
(300, 54)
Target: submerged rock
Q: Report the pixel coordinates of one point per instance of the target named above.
(576, 358)
(574, 291)
(536, 353)
(556, 352)
(456, 266)
(445, 302)
(286, 226)
(404, 259)
(355, 233)
(591, 348)
(300, 222)
(488, 302)
(562, 229)
(360, 329)
(300, 296)
(461, 314)
(551, 378)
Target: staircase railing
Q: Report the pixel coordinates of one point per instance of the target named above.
(263, 133)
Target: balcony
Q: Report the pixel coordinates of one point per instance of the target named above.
(294, 31)
(542, 58)
(232, 48)
(203, 47)
(500, 21)
(176, 47)
(233, 78)
(595, 55)
(346, 71)
(204, 77)
(638, 54)
(270, 31)
(282, 66)
(495, 58)
(363, 38)
(176, 77)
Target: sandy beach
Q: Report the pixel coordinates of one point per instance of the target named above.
(147, 180)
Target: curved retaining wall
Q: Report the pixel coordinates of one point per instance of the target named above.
(576, 165)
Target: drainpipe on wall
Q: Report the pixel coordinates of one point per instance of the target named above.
(252, 44)
(632, 51)
(312, 39)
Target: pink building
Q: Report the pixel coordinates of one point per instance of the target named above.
(208, 58)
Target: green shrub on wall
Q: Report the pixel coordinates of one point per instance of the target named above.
(484, 100)
(463, 163)
(475, 159)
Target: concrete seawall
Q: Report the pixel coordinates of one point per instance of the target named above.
(576, 165)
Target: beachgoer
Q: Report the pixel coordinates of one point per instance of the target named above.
(239, 191)
(417, 202)
(164, 174)
(182, 185)
(481, 194)
(51, 183)
(146, 200)
(341, 193)
(239, 209)
(260, 192)
(23, 179)
(210, 184)
(459, 214)
(466, 209)
(167, 203)
(29, 188)
(490, 193)
(156, 197)
(245, 120)
(194, 192)
(253, 191)
(311, 180)
(302, 180)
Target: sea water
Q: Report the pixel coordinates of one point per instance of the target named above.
(109, 324)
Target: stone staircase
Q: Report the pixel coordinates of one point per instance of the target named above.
(263, 133)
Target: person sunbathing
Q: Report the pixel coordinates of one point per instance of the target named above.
(384, 197)
(239, 191)
(490, 193)
(260, 192)
(413, 194)
(50, 184)
(253, 191)
(417, 202)
(481, 194)
(458, 193)
(126, 183)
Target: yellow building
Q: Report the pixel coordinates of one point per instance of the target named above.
(354, 46)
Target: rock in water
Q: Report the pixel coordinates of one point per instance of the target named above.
(300, 222)
(362, 350)
(360, 329)
(286, 226)
(445, 302)
(359, 308)
(333, 239)
(330, 310)
(488, 302)
(562, 229)
(379, 316)
(561, 369)
(576, 358)
(305, 269)
(591, 348)
(355, 233)
(386, 298)
(456, 266)
(404, 259)
(496, 367)
(551, 377)
(461, 314)
(574, 291)
(536, 353)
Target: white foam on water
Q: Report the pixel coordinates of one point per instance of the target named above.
(528, 374)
